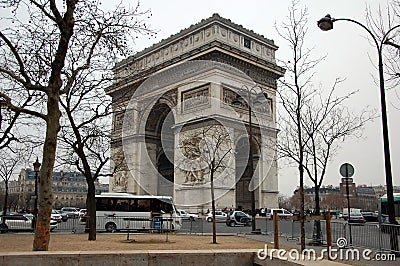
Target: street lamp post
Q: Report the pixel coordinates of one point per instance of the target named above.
(249, 92)
(36, 168)
(325, 24)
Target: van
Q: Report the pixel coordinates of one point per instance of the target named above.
(281, 213)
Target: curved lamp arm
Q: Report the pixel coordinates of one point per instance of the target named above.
(326, 23)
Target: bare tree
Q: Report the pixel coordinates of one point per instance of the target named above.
(284, 202)
(11, 157)
(84, 142)
(86, 135)
(333, 201)
(294, 91)
(385, 26)
(327, 122)
(210, 146)
(39, 41)
(314, 123)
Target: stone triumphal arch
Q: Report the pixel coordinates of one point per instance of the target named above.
(182, 118)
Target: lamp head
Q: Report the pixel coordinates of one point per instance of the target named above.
(326, 23)
(238, 100)
(36, 165)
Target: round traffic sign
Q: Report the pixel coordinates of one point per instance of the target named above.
(346, 170)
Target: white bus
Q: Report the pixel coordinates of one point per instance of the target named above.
(123, 211)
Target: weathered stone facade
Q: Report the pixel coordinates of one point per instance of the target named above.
(192, 81)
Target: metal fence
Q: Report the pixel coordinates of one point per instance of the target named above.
(382, 237)
(374, 236)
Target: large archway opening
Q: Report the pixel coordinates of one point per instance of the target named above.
(243, 173)
(160, 147)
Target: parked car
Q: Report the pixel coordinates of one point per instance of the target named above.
(23, 222)
(281, 213)
(356, 218)
(64, 216)
(238, 218)
(188, 216)
(56, 216)
(370, 216)
(53, 225)
(82, 215)
(82, 212)
(71, 212)
(220, 216)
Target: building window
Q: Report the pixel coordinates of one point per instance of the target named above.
(247, 43)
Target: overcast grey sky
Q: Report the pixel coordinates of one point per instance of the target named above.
(349, 56)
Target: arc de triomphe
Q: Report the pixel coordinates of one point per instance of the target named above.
(182, 117)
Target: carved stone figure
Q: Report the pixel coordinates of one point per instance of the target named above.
(120, 182)
(194, 170)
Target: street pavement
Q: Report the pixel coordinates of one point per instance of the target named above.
(362, 236)
(285, 242)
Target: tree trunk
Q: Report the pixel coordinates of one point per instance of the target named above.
(90, 197)
(301, 172)
(3, 221)
(302, 218)
(317, 204)
(42, 232)
(91, 210)
(5, 198)
(214, 227)
(317, 239)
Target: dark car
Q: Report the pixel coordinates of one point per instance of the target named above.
(370, 216)
(261, 212)
(238, 218)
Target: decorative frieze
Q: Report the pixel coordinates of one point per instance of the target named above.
(236, 101)
(176, 47)
(196, 98)
(118, 121)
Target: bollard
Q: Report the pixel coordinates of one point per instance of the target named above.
(328, 232)
(128, 227)
(202, 229)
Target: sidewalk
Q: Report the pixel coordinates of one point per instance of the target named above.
(287, 243)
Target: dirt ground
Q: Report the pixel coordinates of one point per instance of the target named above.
(119, 241)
